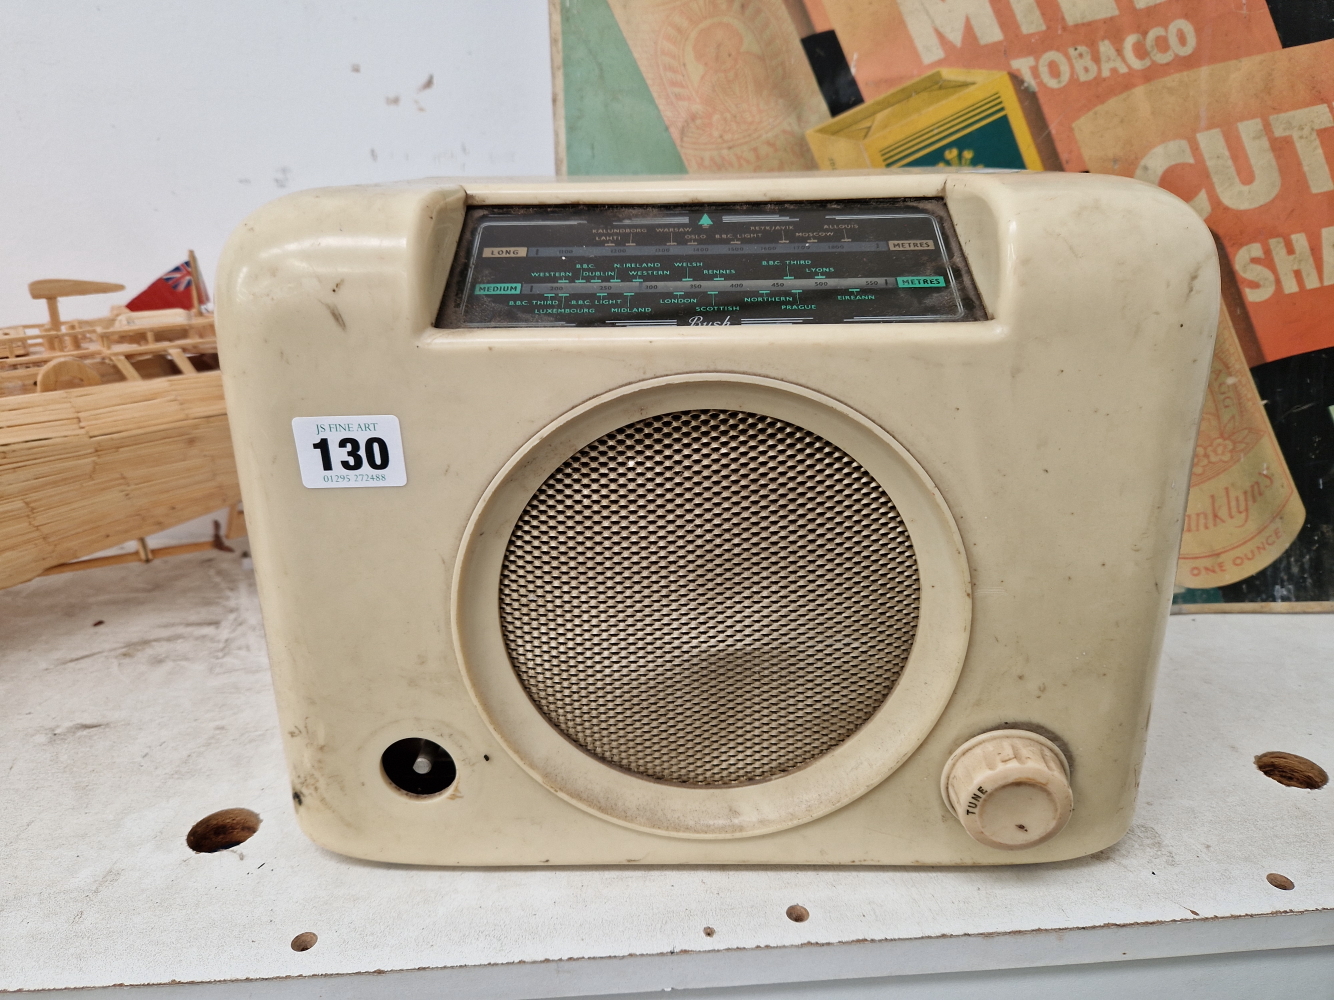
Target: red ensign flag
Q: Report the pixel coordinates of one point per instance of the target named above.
(171, 291)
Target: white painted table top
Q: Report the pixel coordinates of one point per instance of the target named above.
(115, 739)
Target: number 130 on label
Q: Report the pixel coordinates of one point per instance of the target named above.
(337, 452)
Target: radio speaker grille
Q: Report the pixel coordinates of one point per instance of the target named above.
(709, 597)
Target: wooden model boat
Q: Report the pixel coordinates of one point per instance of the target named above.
(111, 430)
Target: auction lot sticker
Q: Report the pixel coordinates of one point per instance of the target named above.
(337, 452)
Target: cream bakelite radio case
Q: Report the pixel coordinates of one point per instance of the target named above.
(782, 519)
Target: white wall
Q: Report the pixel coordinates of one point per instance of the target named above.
(134, 130)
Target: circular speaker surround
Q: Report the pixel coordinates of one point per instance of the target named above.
(709, 597)
(752, 626)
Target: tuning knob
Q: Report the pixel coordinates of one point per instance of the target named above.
(1009, 788)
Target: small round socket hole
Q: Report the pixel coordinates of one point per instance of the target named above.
(418, 766)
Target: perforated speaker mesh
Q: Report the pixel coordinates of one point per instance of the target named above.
(709, 597)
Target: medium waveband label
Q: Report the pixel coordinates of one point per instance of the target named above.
(498, 289)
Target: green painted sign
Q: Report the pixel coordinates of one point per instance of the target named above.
(612, 124)
(930, 281)
(497, 289)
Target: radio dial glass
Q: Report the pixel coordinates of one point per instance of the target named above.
(709, 265)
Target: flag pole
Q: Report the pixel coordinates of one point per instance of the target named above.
(194, 283)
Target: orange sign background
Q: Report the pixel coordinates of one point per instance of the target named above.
(1250, 144)
(1076, 54)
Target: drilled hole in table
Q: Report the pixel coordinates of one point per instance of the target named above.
(798, 914)
(221, 830)
(1280, 881)
(1292, 770)
(304, 941)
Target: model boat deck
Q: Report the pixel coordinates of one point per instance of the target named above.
(111, 429)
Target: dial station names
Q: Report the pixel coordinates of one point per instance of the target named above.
(857, 262)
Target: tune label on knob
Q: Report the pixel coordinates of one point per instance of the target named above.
(1010, 788)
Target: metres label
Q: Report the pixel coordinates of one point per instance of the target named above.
(337, 452)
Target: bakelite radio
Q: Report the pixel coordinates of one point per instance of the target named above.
(778, 519)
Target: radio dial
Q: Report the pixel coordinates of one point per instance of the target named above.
(1009, 788)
